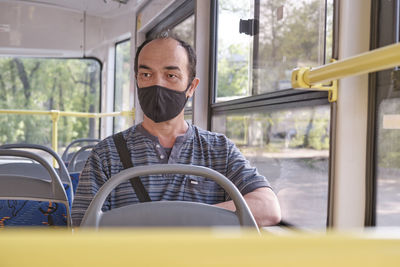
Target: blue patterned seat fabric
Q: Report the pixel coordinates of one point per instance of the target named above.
(68, 192)
(74, 179)
(32, 213)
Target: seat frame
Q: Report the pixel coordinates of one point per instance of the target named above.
(74, 163)
(66, 157)
(168, 213)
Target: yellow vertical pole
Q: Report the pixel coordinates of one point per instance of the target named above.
(55, 115)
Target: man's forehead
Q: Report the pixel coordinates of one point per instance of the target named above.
(168, 50)
(163, 41)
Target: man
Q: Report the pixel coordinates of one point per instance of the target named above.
(165, 74)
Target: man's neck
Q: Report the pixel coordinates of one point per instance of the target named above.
(168, 131)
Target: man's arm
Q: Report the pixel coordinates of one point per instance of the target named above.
(263, 203)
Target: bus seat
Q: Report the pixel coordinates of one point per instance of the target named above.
(66, 156)
(79, 158)
(29, 201)
(77, 163)
(168, 213)
(75, 180)
(37, 170)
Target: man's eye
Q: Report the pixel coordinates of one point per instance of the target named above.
(171, 76)
(145, 75)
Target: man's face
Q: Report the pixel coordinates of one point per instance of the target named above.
(163, 62)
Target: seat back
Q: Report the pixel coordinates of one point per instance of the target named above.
(168, 213)
(26, 200)
(36, 170)
(75, 180)
(66, 156)
(78, 160)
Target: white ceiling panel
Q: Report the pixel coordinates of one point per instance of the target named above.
(101, 8)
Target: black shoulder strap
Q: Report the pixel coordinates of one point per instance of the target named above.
(126, 160)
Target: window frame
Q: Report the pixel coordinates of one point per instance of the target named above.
(181, 13)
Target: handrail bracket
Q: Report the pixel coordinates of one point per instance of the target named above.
(300, 81)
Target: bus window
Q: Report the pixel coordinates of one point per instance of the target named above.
(48, 84)
(284, 133)
(274, 37)
(291, 149)
(122, 94)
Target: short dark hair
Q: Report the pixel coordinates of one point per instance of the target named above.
(189, 50)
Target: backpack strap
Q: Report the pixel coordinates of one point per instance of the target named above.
(126, 160)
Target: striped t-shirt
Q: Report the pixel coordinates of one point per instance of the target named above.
(195, 147)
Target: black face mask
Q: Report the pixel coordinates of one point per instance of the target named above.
(160, 103)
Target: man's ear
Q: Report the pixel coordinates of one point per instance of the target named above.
(192, 87)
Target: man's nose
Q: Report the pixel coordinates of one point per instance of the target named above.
(159, 80)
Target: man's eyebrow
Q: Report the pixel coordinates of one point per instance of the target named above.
(144, 67)
(172, 68)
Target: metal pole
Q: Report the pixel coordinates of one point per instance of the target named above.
(55, 115)
(378, 59)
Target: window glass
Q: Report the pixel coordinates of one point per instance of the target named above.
(291, 149)
(48, 84)
(122, 94)
(329, 31)
(233, 53)
(388, 161)
(188, 118)
(277, 36)
(387, 121)
(185, 31)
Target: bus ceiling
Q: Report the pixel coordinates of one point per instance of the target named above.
(60, 28)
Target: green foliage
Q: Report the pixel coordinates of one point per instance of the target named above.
(233, 78)
(122, 72)
(237, 129)
(272, 132)
(388, 139)
(391, 160)
(318, 136)
(47, 84)
(122, 83)
(283, 44)
(185, 30)
(288, 42)
(389, 148)
(312, 132)
(238, 7)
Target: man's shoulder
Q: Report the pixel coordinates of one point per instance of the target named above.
(210, 136)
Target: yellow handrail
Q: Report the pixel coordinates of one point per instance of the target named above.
(375, 60)
(55, 115)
